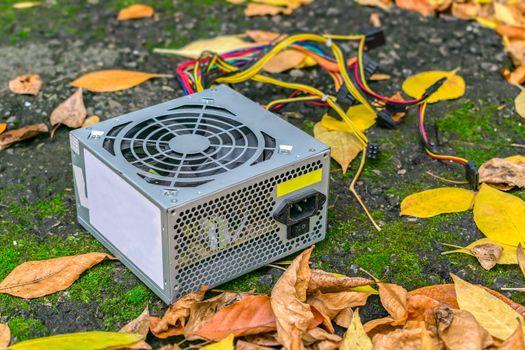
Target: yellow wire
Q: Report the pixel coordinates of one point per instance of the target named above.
(292, 99)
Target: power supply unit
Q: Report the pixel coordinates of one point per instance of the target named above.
(200, 189)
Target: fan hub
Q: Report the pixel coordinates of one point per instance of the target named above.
(189, 143)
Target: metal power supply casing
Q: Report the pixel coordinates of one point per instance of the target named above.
(200, 189)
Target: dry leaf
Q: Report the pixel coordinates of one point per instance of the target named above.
(361, 116)
(394, 300)
(355, 337)
(266, 339)
(424, 7)
(498, 318)
(28, 84)
(503, 14)
(515, 77)
(3, 127)
(135, 11)
(459, 330)
(466, 10)
(244, 345)
(81, 340)
(9, 137)
(379, 77)
(400, 339)
(262, 36)
(160, 332)
(251, 315)
(322, 281)
(219, 45)
(515, 342)
(71, 112)
(34, 279)
(344, 318)
(140, 325)
(5, 336)
(331, 304)
(374, 20)
(288, 301)
(284, 60)
(500, 216)
(224, 344)
(437, 201)
(26, 4)
(452, 88)
(444, 293)
(502, 171)
(421, 308)
(520, 255)
(255, 9)
(508, 252)
(91, 120)
(113, 80)
(487, 254)
(318, 338)
(178, 313)
(511, 32)
(344, 146)
(384, 4)
(519, 102)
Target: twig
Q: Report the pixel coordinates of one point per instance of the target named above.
(276, 267)
(445, 179)
(369, 274)
(514, 289)
(352, 189)
(517, 145)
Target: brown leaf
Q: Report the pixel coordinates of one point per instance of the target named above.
(515, 342)
(467, 10)
(34, 279)
(384, 4)
(459, 330)
(262, 36)
(424, 7)
(248, 316)
(400, 339)
(487, 254)
(512, 32)
(135, 11)
(140, 325)
(322, 281)
(9, 137)
(521, 258)
(318, 338)
(515, 77)
(394, 300)
(288, 301)
(71, 112)
(399, 115)
(5, 336)
(114, 80)
(91, 120)
(3, 127)
(266, 339)
(332, 304)
(178, 313)
(374, 20)
(379, 326)
(244, 345)
(284, 60)
(421, 308)
(444, 293)
(159, 332)
(502, 171)
(254, 9)
(27, 84)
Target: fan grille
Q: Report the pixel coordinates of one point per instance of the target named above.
(188, 147)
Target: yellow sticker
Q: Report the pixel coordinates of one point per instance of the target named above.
(299, 182)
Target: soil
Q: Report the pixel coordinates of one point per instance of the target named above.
(61, 40)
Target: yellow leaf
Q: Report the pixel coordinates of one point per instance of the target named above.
(135, 11)
(487, 23)
(365, 289)
(225, 344)
(3, 127)
(498, 318)
(452, 88)
(91, 120)
(355, 337)
(503, 14)
(519, 103)
(113, 80)
(219, 44)
(362, 117)
(26, 4)
(500, 216)
(284, 60)
(344, 146)
(437, 201)
(508, 255)
(79, 341)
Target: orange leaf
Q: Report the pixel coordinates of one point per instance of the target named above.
(322, 281)
(444, 293)
(422, 6)
(262, 36)
(5, 336)
(254, 9)
(162, 334)
(113, 80)
(394, 300)
(71, 112)
(284, 60)
(27, 84)
(3, 127)
(248, 316)
(12, 136)
(135, 11)
(512, 32)
(91, 120)
(34, 279)
(516, 341)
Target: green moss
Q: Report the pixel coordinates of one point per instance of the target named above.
(138, 294)
(22, 328)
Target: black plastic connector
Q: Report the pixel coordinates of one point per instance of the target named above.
(343, 96)
(396, 107)
(375, 37)
(434, 87)
(472, 175)
(384, 119)
(372, 150)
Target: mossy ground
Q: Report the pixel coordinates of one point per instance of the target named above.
(37, 210)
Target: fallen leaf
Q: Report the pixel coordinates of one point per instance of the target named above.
(322, 281)
(244, 345)
(467, 10)
(140, 325)
(440, 5)
(114, 80)
(508, 253)
(248, 316)
(494, 315)
(361, 116)
(91, 120)
(520, 255)
(26, 4)
(71, 112)
(288, 300)
(266, 339)
(384, 4)
(503, 14)
(374, 20)
(160, 332)
(400, 339)
(452, 88)
(421, 308)
(444, 293)
(34, 279)
(236, 2)
(379, 325)
(516, 341)
(318, 338)
(511, 32)
(344, 317)
(3, 127)
(135, 11)
(487, 254)
(5, 336)
(355, 337)
(9, 137)
(394, 299)
(82, 341)
(437, 201)
(379, 76)
(515, 77)
(344, 146)
(424, 7)
(255, 9)
(502, 171)
(178, 313)
(459, 330)
(224, 344)
(284, 60)
(500, 216)
(27, 84)
(331, 304)
(262, 36)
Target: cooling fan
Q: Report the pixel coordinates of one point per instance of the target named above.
(200, 189)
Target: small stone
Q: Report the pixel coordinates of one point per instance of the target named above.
(401, 172)
(296, 73)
